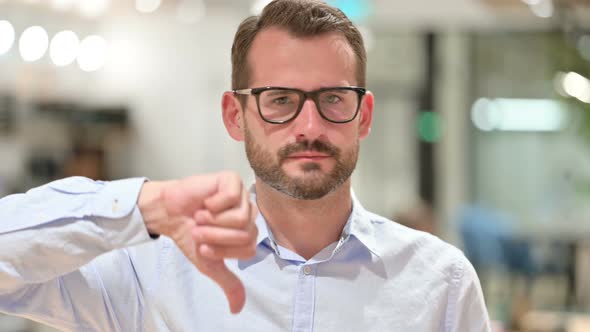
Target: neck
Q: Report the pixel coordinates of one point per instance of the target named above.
(304, 226)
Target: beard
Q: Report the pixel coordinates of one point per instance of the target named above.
(315, 183)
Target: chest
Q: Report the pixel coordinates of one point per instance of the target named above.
(281, 296)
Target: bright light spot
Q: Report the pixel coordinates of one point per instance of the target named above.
(368, 37)
(6, 36)
(543, 8)
(147, 6)
(258, 5)
(190, 12)
(64, 48)
(558, 84)
(577, 86)
(92, 53)
(62, 5)
(93, 8)
(530, 115)
(480, 115)
(532, 2)
(584, 46)
(33, 43)
(518, 115)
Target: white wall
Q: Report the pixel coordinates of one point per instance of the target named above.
(173, 75)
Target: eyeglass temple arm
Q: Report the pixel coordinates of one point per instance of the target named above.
(243, 91)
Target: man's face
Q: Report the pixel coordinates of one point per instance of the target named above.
(311, 175)
(309, 156)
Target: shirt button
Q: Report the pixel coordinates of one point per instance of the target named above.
(307, 270)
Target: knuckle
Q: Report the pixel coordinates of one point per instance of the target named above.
(234, 196)
(241, 221)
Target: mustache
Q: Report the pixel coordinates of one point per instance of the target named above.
(303, 146)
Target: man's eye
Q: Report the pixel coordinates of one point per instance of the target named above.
(281, 100)
(332, 99)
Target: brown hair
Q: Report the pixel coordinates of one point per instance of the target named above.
(302, 18)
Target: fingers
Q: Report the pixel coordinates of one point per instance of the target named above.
(238, 217)
(229, 282)
(214, 235)
(217, 242)
(210, 218)
(229, 193)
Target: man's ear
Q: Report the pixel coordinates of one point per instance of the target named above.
(233, 117)
(366, 115)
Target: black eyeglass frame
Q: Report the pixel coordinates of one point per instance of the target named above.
(314, 95)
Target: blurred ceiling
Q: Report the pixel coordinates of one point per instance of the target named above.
(477, 14)
(399, 14)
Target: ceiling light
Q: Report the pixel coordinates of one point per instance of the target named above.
(64, 48)
(147, 6)
(93, 8)
(33, 43)
(6, 36)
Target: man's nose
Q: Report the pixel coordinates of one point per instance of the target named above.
(309, 124)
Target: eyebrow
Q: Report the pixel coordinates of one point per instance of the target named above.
(279, 92)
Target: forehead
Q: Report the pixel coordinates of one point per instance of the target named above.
(279, 58)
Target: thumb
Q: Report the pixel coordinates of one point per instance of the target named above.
(227, 280)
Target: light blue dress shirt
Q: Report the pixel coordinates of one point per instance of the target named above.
(75, 254)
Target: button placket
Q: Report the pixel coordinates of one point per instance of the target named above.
(304, 306)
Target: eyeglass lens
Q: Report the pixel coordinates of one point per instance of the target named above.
(278, 105)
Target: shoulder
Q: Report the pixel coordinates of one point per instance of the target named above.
(420, 251)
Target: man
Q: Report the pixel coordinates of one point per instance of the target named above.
(322, 262)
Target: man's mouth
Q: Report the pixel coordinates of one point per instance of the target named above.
(308, 155)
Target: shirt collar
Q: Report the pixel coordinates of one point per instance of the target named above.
(359, 226)
(263, 231)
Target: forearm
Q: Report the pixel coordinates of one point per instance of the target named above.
(55, 229)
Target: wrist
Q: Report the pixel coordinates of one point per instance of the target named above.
(152, 207)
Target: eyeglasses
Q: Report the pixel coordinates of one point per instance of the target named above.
(280, 105)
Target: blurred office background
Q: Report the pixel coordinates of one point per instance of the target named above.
(481, 131)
